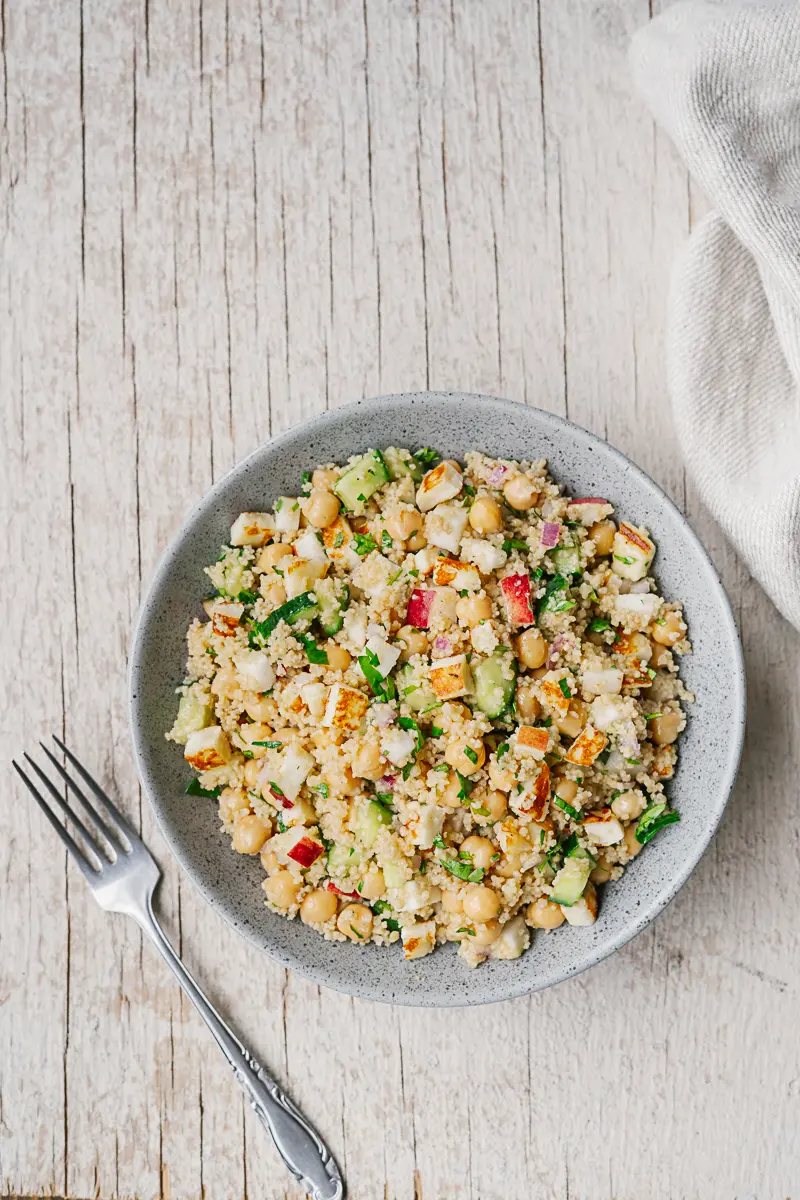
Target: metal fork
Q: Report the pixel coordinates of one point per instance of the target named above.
(122, 876)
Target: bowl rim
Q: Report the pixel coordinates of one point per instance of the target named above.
(672, 885)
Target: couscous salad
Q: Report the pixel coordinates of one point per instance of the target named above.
(439, 700)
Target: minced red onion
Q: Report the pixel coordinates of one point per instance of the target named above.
(556, 645)
(387, 781)
(442, 643)
(496, 475)
(551, 532)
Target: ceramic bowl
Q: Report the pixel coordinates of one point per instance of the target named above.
(453, 423)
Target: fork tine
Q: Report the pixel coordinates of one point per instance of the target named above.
(113, 812)
(76, 852)
(110, 834)
(90, 837)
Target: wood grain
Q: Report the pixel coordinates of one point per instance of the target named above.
(216, 220)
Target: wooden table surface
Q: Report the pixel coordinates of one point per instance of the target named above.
(218, 219)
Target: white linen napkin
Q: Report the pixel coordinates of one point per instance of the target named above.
(724, 82)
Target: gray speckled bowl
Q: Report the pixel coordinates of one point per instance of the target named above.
(453, 423)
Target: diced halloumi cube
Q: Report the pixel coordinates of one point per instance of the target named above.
(601, 681)
(486, 556)
(386, 654)
(552, 693)
(602, 827)
(534, 798)
(424, 828)
(310, 546)
(412, 895)
(287, 514)
(252, 529)
(300, 575)
(638, 609)
(314, 696)
(225, 618)
(445, 525)
(586, 747)
(633, 552)
(255, 670)
(337, 539)
(531, 741)
(398, 745)
(426, 559)
(284, 774)
(513, 941)
(207, 748)
(608, 710)
(345, 708)
(444, 482)
(450, 677)
(419, 939)
(451, 571)
(583, 911)
(588, 510)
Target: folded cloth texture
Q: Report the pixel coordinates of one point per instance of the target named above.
(723, 80)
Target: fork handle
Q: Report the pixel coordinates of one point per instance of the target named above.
(305, 1154)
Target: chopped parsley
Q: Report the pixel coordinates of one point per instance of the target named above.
(575, 813)
(247, 597)
(599, 625)
(381, 907)
(436, 731)
(382, 689)
(305, 479)
(514, 544)
(466, 786)
(363, 543)
(195, 789)
(463, 870)
(502, 749)
(439, 842)
(565, 692)
(269, 745)
(386, 541)
(471, 755)
(621, 558)
(426, 456)
(556, 597)
(652, 716)
(338, 540)
(408, 723)
(407, 769)
(654, 818)
(322, 788)
(278, 505)
(442, 767)
(481, 812)
(466, 929)
(281, 824)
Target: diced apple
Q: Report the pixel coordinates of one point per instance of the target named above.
(444, 482)
(345, 708)
(309, 545)
(602, 827)
(445, 525)
(207, 748)
(517, 595)
(398, 745)
(332, 887)
(450, 677)
(639, 608)
(633, 552)
(586, 747)
(531, 741)
(225, 618)
(305, 852)
(285, 772)
(301, 575)
(287, 514)
(583, 911)
(419, 607)
(588, 510)
(451, 571)
(424, 828)
(608, 710)
(419, 939)
(513, 941)
(486, 556)
(252, 529)
(255, 670)
(601, 681)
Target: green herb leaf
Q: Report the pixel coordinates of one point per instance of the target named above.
(502, 749)
(466, 929)
(382, 689)
(411, 725)
(269, 745)
(407, 769)
(481, 812)
(381, 907)
(363, 543)
(463, 870)
(280, 823)
(305, 479)
(314, 652)
(439, 842)
(338, 540)
(426, 456)
(322, 788)
(470, 754)
(436, 731)
(386, 541)
(273, 787)
(466, 786)
(599, 625)
(565, 692)
(247, 597)
(556, 597)
(575, 813)
(442, 767)
(652, 716)
(194, 789)
(621, 558)
(654, 818)
(514, 544)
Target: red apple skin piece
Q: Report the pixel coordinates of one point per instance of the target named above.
(419, 607)
(305, 852)
(347, 895)
(517, 592)
(279, 798)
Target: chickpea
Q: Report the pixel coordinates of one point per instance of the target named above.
(338, 658)
(543, 914)
(602, 534)
(355, 922)
(531, 649)
(282, 889)
(271, 555)
(373, 885)
(269, 861)
(664, 730)
(520, 493)
(252, 770)
(566, 789)
(661, 656)
(343, 783)
(481, 903)
(485, 933)
(274, 593)
(413, 641)
(671, 631)
(632, 843)
(450, 796)
(321, 508)
(574, 721)
(325, 477)
(485, 515)
(285, 734)
(404, 523)
(249, 834)
(318, 907)
(500, 777)
(255, 732)
(496, 806)
(458, 757)
(528, 707)
(509, 865)
(259, 709)
(456, 465)
(628, 805)
(367, 761)
(474, 609)
(481, 849)
(600, 874)
(452, 901)
(417, 542)
(232, 801)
